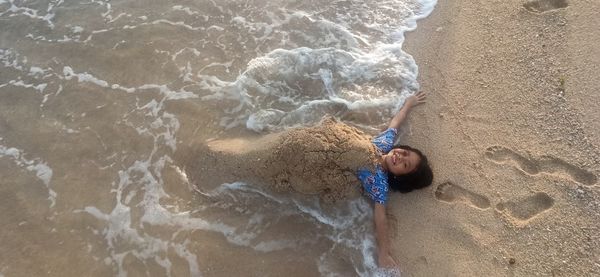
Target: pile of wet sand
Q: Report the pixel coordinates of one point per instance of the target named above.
(320, 160)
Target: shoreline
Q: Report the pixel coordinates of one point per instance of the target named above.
(511, 129)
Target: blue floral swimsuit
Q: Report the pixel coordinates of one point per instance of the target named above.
(375, 184)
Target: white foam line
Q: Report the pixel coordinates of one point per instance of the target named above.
(332, 27)
(118, 44)
(185, 9)
(108, 9)
(117, 17)
(83, 77)
(351, 227)
(31, 13)
(19, 83)
(52, 5)
(341, 68)
(254, 27)
(77, 29)
(178, 23)
(34, 70)
(119, 220)
(257, 221)
(148, 181)
(92, 33)
(190, 258)
(65, 39)
(226, 65)
(10, 59)
(350, 224)
(244, 187)
(169, 94)
(37, 165)
(349, 68)
(193, 50)
(101, 31)
(119, 228)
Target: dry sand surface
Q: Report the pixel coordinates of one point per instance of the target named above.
(512, 128)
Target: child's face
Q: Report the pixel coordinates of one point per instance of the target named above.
(401, 161)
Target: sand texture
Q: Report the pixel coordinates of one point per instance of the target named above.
(320, 160)
(511, 128)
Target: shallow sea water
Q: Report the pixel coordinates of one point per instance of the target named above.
(96, 97)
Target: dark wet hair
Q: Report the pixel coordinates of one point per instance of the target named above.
(420, 177)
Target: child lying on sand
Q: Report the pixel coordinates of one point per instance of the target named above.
(399, 168)
(332, 160)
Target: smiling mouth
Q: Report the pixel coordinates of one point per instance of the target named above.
(395, 157)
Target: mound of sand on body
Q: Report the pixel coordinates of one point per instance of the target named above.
(320, 160)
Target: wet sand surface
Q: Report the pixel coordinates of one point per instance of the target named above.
(98, 98)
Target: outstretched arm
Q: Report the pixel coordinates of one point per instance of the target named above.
(384, 259)
(410, 102)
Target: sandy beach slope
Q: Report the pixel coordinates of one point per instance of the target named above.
(512, 128)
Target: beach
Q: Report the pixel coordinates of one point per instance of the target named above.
(511, 128)
(219, 138)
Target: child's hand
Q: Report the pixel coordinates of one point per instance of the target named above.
(411, 101)
(415, 99)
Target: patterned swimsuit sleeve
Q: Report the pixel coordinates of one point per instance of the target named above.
(385, 141)
(375, 184)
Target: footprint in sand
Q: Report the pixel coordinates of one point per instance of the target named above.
(525, 209)
(449, 192)
(545, 164)
(540, 6)
(419, 267)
